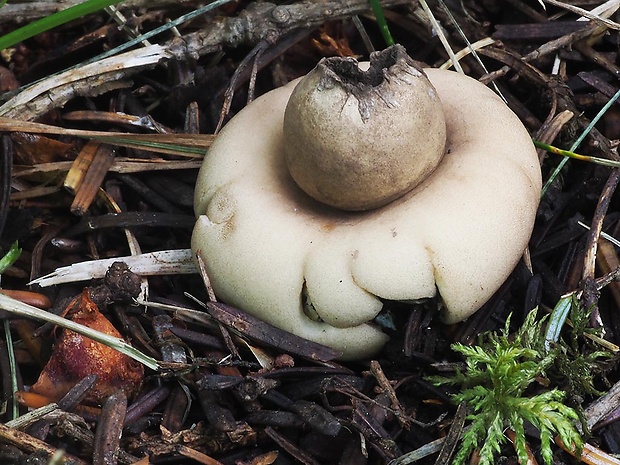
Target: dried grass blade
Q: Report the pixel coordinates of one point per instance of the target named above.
(442, 37)
(189, 145)
(148, 264)
(18, 308)
(585, 13)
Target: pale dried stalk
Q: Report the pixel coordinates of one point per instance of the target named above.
(91, 79)
(586, 14)
(121, 165)
(153, 263)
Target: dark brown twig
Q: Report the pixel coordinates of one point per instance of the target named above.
(590, 295)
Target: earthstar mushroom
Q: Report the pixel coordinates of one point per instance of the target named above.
(323, 272)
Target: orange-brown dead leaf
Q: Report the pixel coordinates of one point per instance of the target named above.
(143, 461)
(75, 356)
(333, 42)
(33, 401)
(33, 149)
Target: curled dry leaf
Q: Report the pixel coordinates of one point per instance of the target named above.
(75, 356)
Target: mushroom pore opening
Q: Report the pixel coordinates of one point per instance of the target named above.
(354, 79)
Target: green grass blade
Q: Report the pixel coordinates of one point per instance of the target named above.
(377, 10)
(581, 137)
(51, 21)
(11, 256)
(577, 156)
(557, 319)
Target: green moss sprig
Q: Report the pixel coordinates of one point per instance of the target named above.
(497, 385)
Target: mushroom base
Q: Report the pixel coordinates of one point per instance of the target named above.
(459, 233)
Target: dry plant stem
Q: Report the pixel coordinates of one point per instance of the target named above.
(589, 261)
(117, 119)
(607, 279)
(549, 131)
(77, 393)
(177, 407)
(197, 456)
(147, 264)
(109, 430)
(442, 37)
(607, 261)
(145, 404)
(585, 13)
(590, 455)
(467, 50)
(526, 9)
(289, 447)
(33, 416)
(230, 345)
(37, 252)
(6, 171)
(121, 20)
(516, 63)
(121, 165)
(384, 383)
(198, 143)
(596, 57)
(30, 444)
(258, 330)
(537, 78)
(205, 279)
(418, 454)
(25, 331)
(454, 435)
(369, 422)
(192, 118)
(545, 49)
(80, 433)
(261, 21)
(92, 79)
(254, 57)
(603, 406)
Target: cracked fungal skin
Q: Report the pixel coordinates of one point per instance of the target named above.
(356, 139)
(272, 251)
